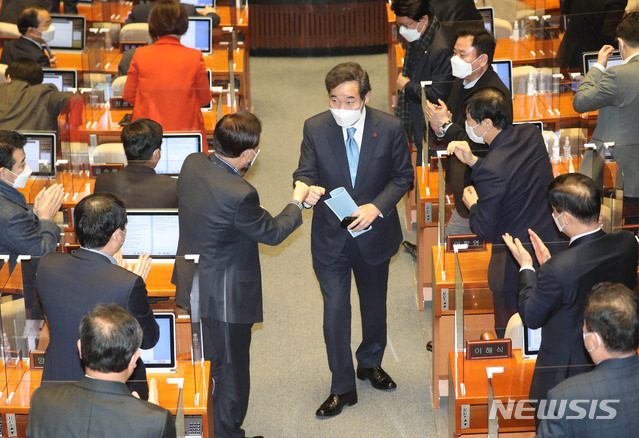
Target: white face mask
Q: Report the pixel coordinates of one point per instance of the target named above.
(590, 350)
(21, 180)
(47, 35)
(461, 68)
(470, 131)
(123, 233)
(346, 118)
(556, 219)
(409, 34)
(251, 162)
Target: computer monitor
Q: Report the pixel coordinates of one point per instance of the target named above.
(65, 80)
(40, 152)
(151, 231)
(209, 106)
(538, 123)
(70, 32)
(162, 358)
(200, 4)
(199, 35)
(504, 69)
(532, 341)
(590, 58)
(488, 15)
(175, 149)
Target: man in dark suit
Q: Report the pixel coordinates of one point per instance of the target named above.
(140, 13)
(100, 405)
(590, 25)
(70, 285)
(611, 337)
(554, 297)
(457, 14)
(221, 220)
(364, 152)
(427, 58)
(26, 103)
(509, 192)
(34, 23)
(474, 50)
(137, 184)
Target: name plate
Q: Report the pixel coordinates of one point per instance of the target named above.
(491, 349)
(468, 242)
(97, 169)
(120, 103)
(36, 359)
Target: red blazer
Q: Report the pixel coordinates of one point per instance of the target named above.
(167, 82)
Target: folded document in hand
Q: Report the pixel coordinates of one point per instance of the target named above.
(343, 205)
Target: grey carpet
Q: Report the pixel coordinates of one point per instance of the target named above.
(289, 369)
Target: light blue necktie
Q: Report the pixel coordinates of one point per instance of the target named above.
(352, 153)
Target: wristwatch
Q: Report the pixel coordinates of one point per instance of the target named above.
(444, 127)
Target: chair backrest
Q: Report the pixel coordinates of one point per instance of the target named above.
(513, 331)
(9, 30)
(3, 68)
(520, 78)
(135, 32)
(117, 87)
(109, 153)
(503, 29)
(633, 6)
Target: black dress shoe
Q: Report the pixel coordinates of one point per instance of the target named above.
(410, 247)
(378, 377)
(335, 402)
(429, 345)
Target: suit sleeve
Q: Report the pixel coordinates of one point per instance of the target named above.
(441, 76)
(307, 167)
(138, 306)
(598, 90)
(27, 235)
(258, 224)
(484, 215)
(169, 426)
(132, 79)
(539, 295)
(202, 85)
(553, 425)
(402, 173)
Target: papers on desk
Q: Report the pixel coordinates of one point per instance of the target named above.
(343, 205)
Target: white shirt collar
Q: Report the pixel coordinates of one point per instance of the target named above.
(472, 84)
(627, 60)
(573, 238)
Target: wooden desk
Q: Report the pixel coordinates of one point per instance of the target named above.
(468, 390)
(478, 313)
(195, 399)
(527, 51)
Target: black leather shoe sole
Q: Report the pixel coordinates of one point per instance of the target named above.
(411, 248)
(335, 403)
(378, 378)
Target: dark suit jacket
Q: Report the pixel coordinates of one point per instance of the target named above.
(456, 172)
(554, 298)
(139, 187)
(97, 409)
(221, 220)
(384, 175)
(612, 379)
(457, 14)
(591, 24)
(23, 48)
(140, 13)
(511, 184)
(31, 107)
(70, 286)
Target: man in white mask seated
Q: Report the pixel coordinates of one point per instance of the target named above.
(24, 232)
(34, 24)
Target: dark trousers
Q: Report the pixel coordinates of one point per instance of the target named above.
(227, 345)
(335, 284)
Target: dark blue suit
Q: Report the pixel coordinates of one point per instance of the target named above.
(384, 175)
(555, 297)
(511, 184)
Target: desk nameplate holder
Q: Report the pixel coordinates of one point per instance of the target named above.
(119, 103)
(464, 243)
(489, 349)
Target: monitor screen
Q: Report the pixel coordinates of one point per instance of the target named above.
(175, 149)
(70, 31)
(40, 152)
(590, 58)
(199, 3)
(199, 34)
(539, 124)
(64, 80)
(504, 69)
(488, 15)
(151, 231)
(163, 356)
(532, 341)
